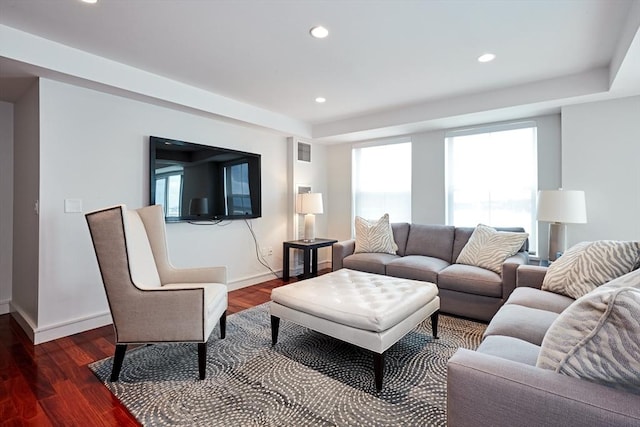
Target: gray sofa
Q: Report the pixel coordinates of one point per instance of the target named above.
(428, 253)
(500, 385)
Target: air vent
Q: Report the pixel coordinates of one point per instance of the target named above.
(304, 152)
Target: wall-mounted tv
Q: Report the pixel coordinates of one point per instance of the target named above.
(195, 182)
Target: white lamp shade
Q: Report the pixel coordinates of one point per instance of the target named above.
(309, 203)
(563, 206)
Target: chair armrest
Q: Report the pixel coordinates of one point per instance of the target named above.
(159, 315)
(531, 276)
(509, 269)
(195, 275)
(340, 251)
(501, 392)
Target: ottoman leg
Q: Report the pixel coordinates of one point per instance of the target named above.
(378, 369)
(275, 325)
(434, 324)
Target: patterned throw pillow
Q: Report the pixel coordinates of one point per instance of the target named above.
(375, 236)
(587, 265)
(598, 336)
(488, 248)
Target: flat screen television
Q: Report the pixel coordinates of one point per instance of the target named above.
(195, 182)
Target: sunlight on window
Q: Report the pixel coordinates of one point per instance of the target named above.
(492, 179)
(382, 181)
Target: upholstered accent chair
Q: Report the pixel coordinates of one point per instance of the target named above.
(150, 300)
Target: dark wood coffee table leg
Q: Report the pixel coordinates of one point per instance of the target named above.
(275, 326)
(378, 369)
(434, 324)
(285, 262)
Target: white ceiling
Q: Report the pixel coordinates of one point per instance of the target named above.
(387, 67)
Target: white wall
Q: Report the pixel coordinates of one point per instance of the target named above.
(428, 177)
(601, 152)
(26, 178)
(339, 184)
(94, 147)
(6, 209)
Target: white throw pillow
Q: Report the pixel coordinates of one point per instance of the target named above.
(375, 236)
(489, 248)
(598, 336)
(587, 265)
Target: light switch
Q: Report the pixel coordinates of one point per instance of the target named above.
(72, 205)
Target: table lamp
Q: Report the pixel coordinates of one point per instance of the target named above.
(560, 207)
(309, 204)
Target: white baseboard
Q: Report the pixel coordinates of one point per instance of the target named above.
(5, 306)
(74, 326)
(58, 330)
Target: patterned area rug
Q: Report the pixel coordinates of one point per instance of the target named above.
(307, 379)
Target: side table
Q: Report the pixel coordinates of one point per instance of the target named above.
(310, 257)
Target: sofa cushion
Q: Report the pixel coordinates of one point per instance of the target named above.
(529, 324)
(369, 262)
(510, 348)
(543, 300)
(400, 234)
(416, 267)
(598, 337)
(587, 265)
(374, 236)
(471, 280)
(488, 248)
(431, 240)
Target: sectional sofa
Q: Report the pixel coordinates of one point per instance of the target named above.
(429, 253)
(508, 382)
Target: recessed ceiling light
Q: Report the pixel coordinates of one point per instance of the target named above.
(487, 57)
(90, 1)
(319, 32)
(321, 100)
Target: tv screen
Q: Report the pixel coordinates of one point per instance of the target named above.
(195, 182)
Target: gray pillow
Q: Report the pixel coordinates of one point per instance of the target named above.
(598, 336)
(489, 248)
(587, 265)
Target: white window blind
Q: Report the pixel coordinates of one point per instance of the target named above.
(382, 181)
(492, 177)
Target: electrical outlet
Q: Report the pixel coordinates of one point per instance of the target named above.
(263, 251)
(269, 251)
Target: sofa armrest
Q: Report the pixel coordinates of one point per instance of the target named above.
(500, 392)
(340, 251)
(509, 269)
(531, 276)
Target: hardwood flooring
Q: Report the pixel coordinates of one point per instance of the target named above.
(50, 384)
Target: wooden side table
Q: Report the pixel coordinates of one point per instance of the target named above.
(310, 259)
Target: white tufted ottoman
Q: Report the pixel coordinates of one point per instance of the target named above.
(364, 309)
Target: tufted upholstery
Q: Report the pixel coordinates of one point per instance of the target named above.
(357, 299)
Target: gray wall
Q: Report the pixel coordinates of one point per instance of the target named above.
(6, 209)
(601, 152)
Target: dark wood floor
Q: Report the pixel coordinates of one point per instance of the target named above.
(50, 384)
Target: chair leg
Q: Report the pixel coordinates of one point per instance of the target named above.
(378, 369)
(275, 326)
(223, 325)
(434, 324)
(202, 359)
(118, 358)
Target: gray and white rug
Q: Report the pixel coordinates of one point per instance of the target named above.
(307, 379)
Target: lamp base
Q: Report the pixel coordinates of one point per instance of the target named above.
(557, 240)
(309, 228)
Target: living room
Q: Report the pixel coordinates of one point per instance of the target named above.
(80, 131)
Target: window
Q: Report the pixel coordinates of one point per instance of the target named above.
(169, 191)
(382, 181)
(492, 177)
(237, 189)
